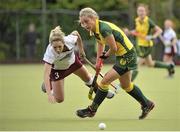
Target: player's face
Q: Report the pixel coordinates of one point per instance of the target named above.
(87, 22)
(167, 24)
(141, 11)
(58, 46)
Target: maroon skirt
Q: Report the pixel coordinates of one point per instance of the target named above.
(61, 74)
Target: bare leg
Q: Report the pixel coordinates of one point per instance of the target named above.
(83, 74)
(58, 90)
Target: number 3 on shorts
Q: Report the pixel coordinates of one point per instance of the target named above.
(56, 75)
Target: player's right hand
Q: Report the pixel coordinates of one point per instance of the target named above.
(103, 56)
(99, 64)
(51, 99)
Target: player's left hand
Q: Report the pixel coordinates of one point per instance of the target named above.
(104, 56)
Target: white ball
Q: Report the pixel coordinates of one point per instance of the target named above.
(102, 126)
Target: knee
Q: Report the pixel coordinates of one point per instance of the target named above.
(150, 65)
(104, 86)
(59, 100)
(127, 87)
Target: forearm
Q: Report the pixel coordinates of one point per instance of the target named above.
(158, 32)
(47, 84)
(110, 52)
(47, 70)
(80, 43)
(79, 40)
(174, 41)
(100, 49)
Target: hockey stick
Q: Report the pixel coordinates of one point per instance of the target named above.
(100, 62)
(92, 66)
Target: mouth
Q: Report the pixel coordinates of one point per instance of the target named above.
(88, 28)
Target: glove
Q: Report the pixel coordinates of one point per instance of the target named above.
(103, 56)
(149, 37)
(99, 65)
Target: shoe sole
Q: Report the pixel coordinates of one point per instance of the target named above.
(83, 116)
(151, 108)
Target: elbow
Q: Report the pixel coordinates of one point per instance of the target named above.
(160, 31)
(75, 32)
(114, 49)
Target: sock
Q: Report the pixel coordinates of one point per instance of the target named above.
(159, 64)
(134, 75)
(137, 94)
(99, 98)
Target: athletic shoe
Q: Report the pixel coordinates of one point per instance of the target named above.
(146, 110)
(110, 94)
(171, 70)
(88, 112)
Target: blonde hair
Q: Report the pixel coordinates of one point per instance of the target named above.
(146, 7)
(56, 35)
(172, 25)
(88, 12)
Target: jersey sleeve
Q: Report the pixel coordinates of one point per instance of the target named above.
(105, 30)
(173, 34)
(48, 56)
(151, 23)
(72, 39)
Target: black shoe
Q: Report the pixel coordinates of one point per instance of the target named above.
(171, 70)
(146, 110)
(43, 88)
(88, 112)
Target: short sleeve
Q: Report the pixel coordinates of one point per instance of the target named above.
(48, 56)
(105, 30)
(173, 34)
(71, 39)
(151, 23)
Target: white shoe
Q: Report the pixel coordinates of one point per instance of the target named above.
(110, 94)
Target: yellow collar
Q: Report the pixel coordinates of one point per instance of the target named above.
(144, 20)
(97, 28)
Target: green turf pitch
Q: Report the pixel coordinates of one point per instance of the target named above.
(24, 107)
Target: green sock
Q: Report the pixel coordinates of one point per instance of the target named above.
(134, 75)
(100, 96)
(159, 64)
(138, 95)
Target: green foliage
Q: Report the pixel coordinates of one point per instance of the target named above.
(4, 49)
(27, 11)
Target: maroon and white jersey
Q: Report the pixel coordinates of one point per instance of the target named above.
(63, 60)
(168, 36)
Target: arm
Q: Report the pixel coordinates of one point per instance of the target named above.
(112, 45)
(47, 70)
(100, 49)
(79, 43)
(174, 41)
(158, 32)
